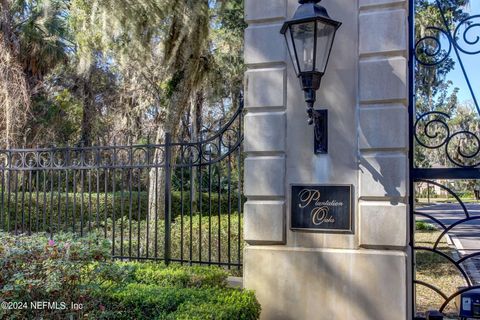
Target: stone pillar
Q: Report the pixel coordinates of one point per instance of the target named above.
(299, 275)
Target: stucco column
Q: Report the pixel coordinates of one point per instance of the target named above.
(300, 275)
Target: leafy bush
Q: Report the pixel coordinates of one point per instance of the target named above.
(77, 270)
(36, 269)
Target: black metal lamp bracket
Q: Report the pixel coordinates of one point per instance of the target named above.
(320, 119)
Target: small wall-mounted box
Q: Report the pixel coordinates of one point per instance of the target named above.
(469, 304)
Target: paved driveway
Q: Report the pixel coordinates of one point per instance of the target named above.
(465, 236)
(467, 233)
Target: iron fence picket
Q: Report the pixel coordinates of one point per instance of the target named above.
(139, 209)
(239, 195)
(2, 200)
(113, 211)
(59, 227)
(219, 233)
(182, 212)
(37, 198)
(65, 227)
(209, 208)
(200, 202)
(168, 182)
(82, 191)
(23, 201)
(229, 197)
(29, 202)
(191, 212)
(8, 200)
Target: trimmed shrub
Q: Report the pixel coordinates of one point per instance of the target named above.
(145, 301)
(180, 276)
(224, 305)
(159, 274)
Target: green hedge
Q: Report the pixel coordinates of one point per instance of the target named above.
(38, 214)
(78, 270)
(153, 291)
(158, 274)
(181, 276)
(221, 305)
(145, 301)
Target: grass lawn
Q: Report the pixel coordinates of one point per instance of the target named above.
(436, 270)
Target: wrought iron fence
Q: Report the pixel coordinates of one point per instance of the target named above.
(173, 202)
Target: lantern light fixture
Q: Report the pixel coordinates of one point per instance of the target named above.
(309, 36)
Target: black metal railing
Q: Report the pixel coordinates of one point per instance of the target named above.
(173, 202)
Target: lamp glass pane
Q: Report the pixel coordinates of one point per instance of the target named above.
(291, 50)
(304, 41)
(325, 35)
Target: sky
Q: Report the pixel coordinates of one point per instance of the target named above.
(470, 62)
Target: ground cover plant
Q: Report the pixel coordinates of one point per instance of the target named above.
(78, 280)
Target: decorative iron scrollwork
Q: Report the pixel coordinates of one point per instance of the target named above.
(429, 50)
(462, 148)
(465, 31)
(83, 158)
(215, 148)
(208, 151)
(434, 127)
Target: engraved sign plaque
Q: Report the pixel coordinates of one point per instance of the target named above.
(322, 208)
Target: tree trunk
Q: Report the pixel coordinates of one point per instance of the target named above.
(178, 105)
(184, 51)
(14, 89)
(88, 110)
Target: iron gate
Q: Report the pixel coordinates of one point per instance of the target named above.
(172, 202)
(444, 152)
